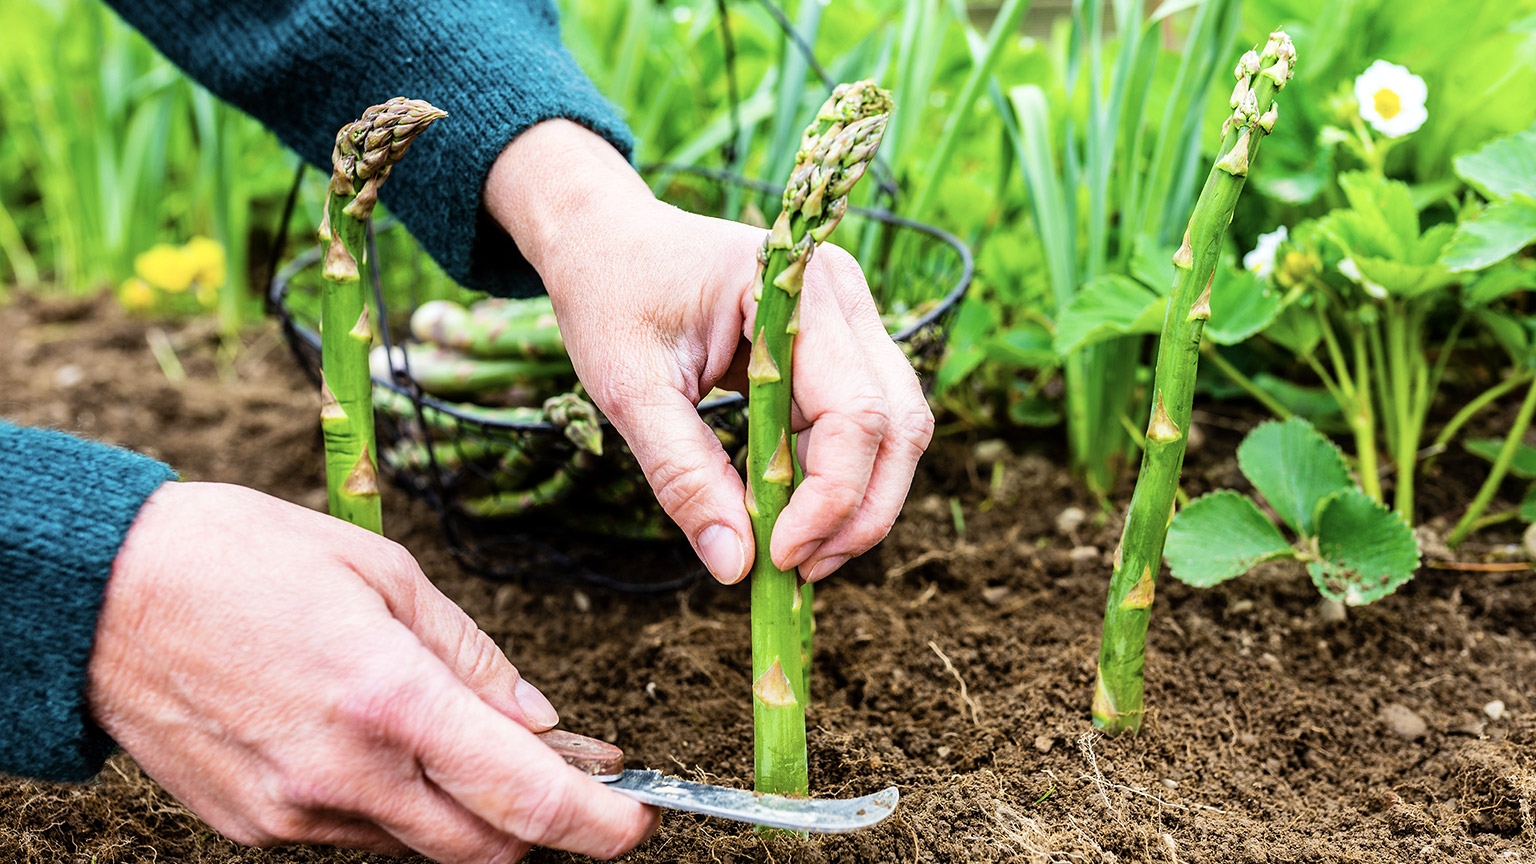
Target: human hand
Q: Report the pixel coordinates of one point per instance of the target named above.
(656, 308)
(293, 678)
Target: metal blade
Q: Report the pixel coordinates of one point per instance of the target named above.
(821, 816)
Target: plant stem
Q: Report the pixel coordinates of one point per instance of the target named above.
(1501, 465)
(1405, 447)
(1364, 423)
(834, 153)
(365, 151)
(1478, 403)
(1249, 386)
(1117, 698)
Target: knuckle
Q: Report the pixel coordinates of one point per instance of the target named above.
(479, 655)
(672, 479)
(868, 412)
(919, 425)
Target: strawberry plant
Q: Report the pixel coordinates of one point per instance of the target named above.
(1355, 549)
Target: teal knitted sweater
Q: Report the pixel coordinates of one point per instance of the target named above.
(304, 68)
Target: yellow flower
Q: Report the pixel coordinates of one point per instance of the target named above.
(136, 295)
(208, 255)
(166, 267)
(207, 295)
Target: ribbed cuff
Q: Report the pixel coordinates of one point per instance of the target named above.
(68, 506)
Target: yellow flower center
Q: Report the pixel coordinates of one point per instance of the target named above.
(1387, 104)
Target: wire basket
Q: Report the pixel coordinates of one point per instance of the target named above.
(557, 510)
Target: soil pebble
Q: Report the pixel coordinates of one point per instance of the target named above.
(1494, 709)
(1529, 541)
(1403, 721)
(1084, 554)
(1069, 520)
(990, 451)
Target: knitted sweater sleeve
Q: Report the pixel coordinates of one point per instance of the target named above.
(306, 67)
(68, 505)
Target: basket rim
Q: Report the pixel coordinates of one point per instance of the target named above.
(282, 278)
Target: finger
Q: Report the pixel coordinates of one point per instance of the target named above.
(906, 438)
(450, 634)
(690, 473)
(427, 820)
(842, 401)
(501, 773)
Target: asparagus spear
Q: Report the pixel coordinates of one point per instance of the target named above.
(1117, 698)
(364, 153)
(492, 328)
(834, 154)
(446, 372)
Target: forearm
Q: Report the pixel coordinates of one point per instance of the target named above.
(69, 504)
(305, 67)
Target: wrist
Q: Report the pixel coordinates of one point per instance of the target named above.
(555, 184)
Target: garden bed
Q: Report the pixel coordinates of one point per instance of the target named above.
(958, 668)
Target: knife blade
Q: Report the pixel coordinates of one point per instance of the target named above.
(605, 763)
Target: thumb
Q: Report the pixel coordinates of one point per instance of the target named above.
(692, 477)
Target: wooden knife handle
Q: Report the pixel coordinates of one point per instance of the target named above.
(595, 757)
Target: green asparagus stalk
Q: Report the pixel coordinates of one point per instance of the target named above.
(446, 372)
(523, 329)
(1117, 698)
(834, 153)
(551, 490)
(365, 152)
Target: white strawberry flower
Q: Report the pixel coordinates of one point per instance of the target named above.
(1391, 99)
(1262, 259)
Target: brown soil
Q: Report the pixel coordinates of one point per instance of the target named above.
(957, 668)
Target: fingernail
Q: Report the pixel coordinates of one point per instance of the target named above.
(723, 554)
(825, 566)
(535, 707)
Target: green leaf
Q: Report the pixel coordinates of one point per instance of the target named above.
(1219, 537)
(1502, 167)
(1366, 550)
(1496, 284)
(1387, 202)
(1242, 304)
(1296, 330)
(1403, 278)
(1315, 404)
(1513, 334)
(1153, 266)
(1523, 465)
(1026, 345)
(1294, 466)
(1528, 506)
(1108, 306)
(1501, 230)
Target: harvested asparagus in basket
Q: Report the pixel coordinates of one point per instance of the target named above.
(446, 372)
(491, 328)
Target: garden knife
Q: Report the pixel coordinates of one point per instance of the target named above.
(605, 762)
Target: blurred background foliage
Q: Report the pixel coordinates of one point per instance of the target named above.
(1064, 140)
